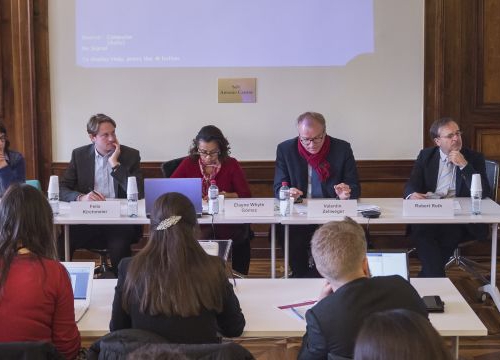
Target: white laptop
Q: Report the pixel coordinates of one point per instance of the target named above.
(388, 262)
(81, 275)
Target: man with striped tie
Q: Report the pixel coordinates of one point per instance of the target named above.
(444, 171)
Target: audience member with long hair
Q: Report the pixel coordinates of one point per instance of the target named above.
(399, 334)
(172, 287)
(36, 298)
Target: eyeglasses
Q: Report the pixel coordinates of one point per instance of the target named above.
(457, 133)
(314, 140)
(205, 153)
(3, 137)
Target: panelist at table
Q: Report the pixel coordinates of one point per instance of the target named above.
(97, 172)
(315, 165)
(444, 171)
(209, 160)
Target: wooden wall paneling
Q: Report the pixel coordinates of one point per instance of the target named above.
(488, 54)
(42, 89)
(24, 127)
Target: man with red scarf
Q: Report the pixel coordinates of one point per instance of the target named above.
(315, 165)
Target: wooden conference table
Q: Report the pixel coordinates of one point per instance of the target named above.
(259, 299)
(392, 213)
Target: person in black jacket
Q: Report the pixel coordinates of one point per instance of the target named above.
(444, 171)
(172, 287)
(315, 165)
(350, 294)
(97, 172)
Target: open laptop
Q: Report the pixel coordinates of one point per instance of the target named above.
(388, 262)
(81, 275)
(189, 187)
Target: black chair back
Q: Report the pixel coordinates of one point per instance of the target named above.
(168, 167)
(29, 350)
(492, 175)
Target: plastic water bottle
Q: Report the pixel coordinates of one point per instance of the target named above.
(284, 199)
(53, 194)
(476, 192)
(132, 205)
(213, 198)
(132, 197)
(476, 197)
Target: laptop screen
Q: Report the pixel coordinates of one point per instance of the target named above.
(80, 275)
(384, 263)
(189, 187)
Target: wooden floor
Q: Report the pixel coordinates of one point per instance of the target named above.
(471, 348)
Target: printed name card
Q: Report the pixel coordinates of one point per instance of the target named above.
(428, 208)
(94, 209)
(249, 207)
(331, 208)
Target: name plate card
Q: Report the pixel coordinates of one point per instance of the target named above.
(428, 208)
(94, 209)
(249, 207)
(331, 208)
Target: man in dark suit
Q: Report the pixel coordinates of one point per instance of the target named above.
(314, 165)
(349, 295)
(444, 171)
(97, 172)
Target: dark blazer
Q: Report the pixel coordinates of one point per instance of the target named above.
(79, 176)
(424, 175)
(334, 322)
(203, 328)
(292, 168)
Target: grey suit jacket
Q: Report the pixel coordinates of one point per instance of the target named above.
(79, 176)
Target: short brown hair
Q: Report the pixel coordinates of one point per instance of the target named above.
(310, 115)
(95, 121)
(437, 124)
(338, 248)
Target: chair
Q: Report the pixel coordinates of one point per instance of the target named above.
(35, 183)
(168, 167)
(29, 350)
(136, 343)
(103, 270)
(492, 169)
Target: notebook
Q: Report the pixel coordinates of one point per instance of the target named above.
(388, 262)
(81, 275)
(189, 187)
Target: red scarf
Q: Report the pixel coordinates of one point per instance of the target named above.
(317, 161)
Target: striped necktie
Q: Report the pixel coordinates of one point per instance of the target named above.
(445, 179)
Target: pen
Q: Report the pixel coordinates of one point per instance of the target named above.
(297, 313)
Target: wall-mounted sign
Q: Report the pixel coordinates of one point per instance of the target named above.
(236, 90)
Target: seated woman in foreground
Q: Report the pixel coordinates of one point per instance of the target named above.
(36, 297)
(172, 287)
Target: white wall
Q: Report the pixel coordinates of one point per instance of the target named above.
(375, 102)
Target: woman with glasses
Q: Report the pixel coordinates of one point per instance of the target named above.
(209, 160)
(12, 165)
